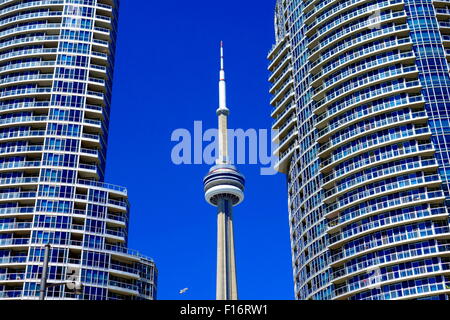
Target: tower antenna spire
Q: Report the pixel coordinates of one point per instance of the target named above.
(222, 113)
(221, 58)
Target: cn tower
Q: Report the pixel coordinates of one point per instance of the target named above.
(224, 188)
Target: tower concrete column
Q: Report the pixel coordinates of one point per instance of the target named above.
(226, 264)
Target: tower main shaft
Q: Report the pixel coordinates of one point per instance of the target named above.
(226, 264)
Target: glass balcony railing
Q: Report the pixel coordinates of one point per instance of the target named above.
(404, 254)
(359, 27)
(27, 16)
(362, 67)
(371, 209)
(20, 149)
(12, 276)
(354, 56)
(387, 240)
(116, 217)
(350, 43)
(283, 100)
(25, 52)
(26, 65)
(344, 6)
(382, 5)
(103, 185)
(13, 259)
(387, 121)
(31, 77)
(27, 91)
(29, 5)
(374, 141)
(405, 292)
(393, 275)
(9, 294)
(122, 268)
(17, 210)
(361, 98)
(366, 178)
(280, 115)
(360, 83)
(282, 88)
(43, 26)
(15, 225)
(19, 164)
(406, 217)
(123, 285)
(378, 158)
(373, 108)
(359, 66)
(14, 242)
(39, 39)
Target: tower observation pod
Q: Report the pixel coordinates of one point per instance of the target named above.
(224, 188)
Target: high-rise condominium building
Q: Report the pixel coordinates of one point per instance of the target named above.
(56, 67)
(361, 97)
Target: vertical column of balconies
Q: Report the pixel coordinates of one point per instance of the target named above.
(442, 12)
(28, 44)
(284, 113)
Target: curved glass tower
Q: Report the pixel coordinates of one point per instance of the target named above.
(361, 97)
(56, 67)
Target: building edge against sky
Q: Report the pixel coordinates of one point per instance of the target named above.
(360, 93)
(56, 69)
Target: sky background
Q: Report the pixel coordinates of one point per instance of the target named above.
(166, 77)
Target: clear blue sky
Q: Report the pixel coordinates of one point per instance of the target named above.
(166, 78)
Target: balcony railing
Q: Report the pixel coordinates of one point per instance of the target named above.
(386, 205)
(374, 224)
(387, 240)
(373, 159)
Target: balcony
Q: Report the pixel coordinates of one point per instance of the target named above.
(325, 96)
(318, 16)
(103, 185)
(370, 111)
(342, 220)
(376, 192)
(377, 142)
(355, 29)
(124, 271)
(337, 240)
(419, 117)
(284, 158)
(284, 127)
(282, 103)
(278, 47)
(411, 254)
(278, 70)
(402, 43)
(392, 155)
(280, 80)
(123, 287)
(374, 176)
(281, 117)
(280, 93)
(391, 277)
(363, 98)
